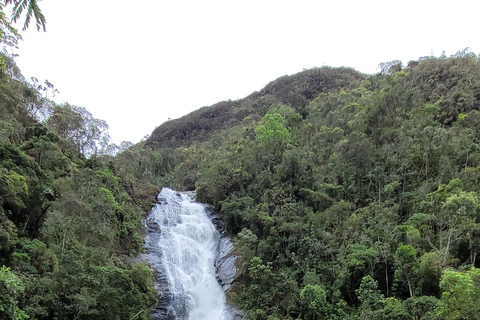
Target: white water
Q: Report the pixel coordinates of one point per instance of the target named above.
(187, 242)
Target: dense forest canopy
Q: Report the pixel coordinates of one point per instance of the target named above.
(69, 226)
(356, 199)
(348, 196)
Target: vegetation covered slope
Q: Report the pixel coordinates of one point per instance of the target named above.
(296, 90)
(68, 225)
(361, 204)
(348, 196)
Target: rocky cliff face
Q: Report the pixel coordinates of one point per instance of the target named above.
(226, 270)
(226, 262)
(153, 257)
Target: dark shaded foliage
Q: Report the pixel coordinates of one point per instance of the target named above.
(353, 196)
(68, 226)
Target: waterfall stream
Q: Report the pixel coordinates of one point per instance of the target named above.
(182, 243)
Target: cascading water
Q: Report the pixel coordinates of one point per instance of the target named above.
(183, 243)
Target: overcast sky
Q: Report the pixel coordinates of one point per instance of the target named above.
(137, 63)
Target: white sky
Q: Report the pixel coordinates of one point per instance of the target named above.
(137, 63)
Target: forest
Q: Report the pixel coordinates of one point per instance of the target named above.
(348, 196)
(69, 224)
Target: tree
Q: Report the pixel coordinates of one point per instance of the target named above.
(313, 299)
(421, 307)
(77, 127)
(31, 8)
(272, 132)
(459, 300)
(456, 217)
(406, 263)
(368, 294)
(272, 138)
(390, 67)
(393, 308)
(11, 288)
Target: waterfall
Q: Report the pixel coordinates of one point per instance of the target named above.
(183, 244)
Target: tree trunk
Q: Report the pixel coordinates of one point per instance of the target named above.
(386, 278)
(409, 286)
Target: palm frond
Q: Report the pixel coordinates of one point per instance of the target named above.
(9, 36)
(31, 8)
(18, 8)
(39, 17)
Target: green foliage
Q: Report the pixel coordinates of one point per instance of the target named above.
(272, 132)
(368, 295)
(348, 196)
(406, 263)
(422, 307)
(459, 295)
(295, 91)
(68, 225)
(13, 187)
(31, 8)
(367, 189)
(11, 288)
(115, 293)
(77, 127)
(314, 302)
(9, 36)
(393, 308)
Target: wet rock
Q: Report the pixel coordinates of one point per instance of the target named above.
(152, 225)
(172, 304)
(226, 270)
(237, 314)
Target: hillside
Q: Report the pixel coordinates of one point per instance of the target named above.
(69, 226)
(348, 196)
(295, 90)
(358, 200)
